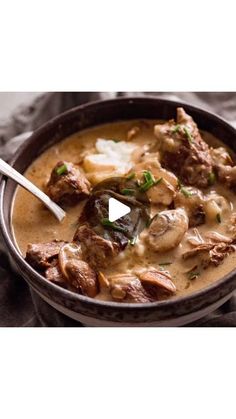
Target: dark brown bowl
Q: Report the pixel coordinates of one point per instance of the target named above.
(177, 311)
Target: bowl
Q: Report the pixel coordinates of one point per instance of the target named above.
(91, 312)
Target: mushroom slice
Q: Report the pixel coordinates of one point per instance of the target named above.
(103, 281)
(77, 272)
(215, 237)
(157, 278)
(167, 229)
(68, 252)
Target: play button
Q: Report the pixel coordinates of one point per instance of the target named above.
(117, 209)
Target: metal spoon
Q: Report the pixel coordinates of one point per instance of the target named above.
(8, 171)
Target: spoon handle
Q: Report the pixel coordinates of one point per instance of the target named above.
(8, 171)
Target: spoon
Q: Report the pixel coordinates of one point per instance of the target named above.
(8, 171)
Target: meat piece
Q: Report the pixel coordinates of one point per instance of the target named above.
(211, 253)
(184, 151)
(192, 200)
(146, 286)
(167, 230)
(128, 288)
(224, 166)
(97, 250)
(67, 184)
(77, 272)
(61, 264)
(54, 274)
(40, 255)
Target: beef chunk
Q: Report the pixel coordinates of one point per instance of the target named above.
(146, 286)
(67, 184)
(54, 274)
(41, 255)
(128, 288)
(96, 249)
(61, 264)
(183, 150)
(224, 167)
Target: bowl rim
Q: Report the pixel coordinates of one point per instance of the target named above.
(24, 266)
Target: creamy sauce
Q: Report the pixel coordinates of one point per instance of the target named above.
(32, 223)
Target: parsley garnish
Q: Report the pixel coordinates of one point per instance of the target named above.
(211, 178)
(130, 176)
(61, 170)
(107, 223)
(149, 181)
(128, 191)
(184, 191)
(175, 129)
(193, 275)
(188, 135)
(165, 263)
(132, 241)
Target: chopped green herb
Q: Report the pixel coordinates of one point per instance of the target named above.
(116, 141)
(130, 176)
(133, 241)
(175, 129)
(218, 218)
(158, 181)
(193, 275)
(149, 222)
(165, 263)
(149, 181)
(107, 223)
(188, 135)
(211, 178)
(128, 191)
(61, 170)
(184, 191)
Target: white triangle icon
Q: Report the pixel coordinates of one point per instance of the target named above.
(116, 209)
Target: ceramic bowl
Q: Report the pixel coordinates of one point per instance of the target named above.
(173, 312)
